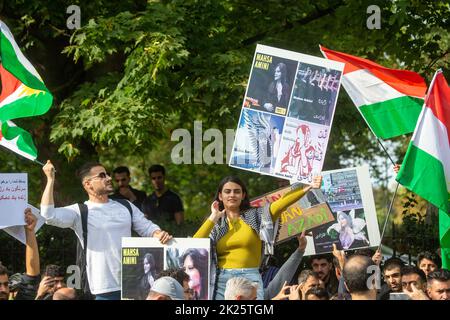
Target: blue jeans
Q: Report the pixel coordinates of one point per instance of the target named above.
(251, 274)
(114, 295)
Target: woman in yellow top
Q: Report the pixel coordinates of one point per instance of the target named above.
(236, 230)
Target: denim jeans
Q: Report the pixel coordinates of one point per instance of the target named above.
(114, 295)
(251, 274)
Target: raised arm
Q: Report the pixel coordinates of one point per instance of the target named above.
(47, 196)
(287, 270)
(61, 217)
(32, 263)
(277, 207)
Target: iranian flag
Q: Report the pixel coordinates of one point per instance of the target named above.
(17, 140)
(23, 93)
(426, 167)
(389, 100)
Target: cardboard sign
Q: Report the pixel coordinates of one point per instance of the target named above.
(296, 220)
(309, 212)
(144, 258)
(287, 114)
(13, 199)
(349, 194)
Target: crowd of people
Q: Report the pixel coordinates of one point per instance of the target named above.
(241, 236)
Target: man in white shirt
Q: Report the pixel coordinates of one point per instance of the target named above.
(108, 221)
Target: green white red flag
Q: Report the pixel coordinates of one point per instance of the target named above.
(426, 167)
(23, 94)
(389, 100)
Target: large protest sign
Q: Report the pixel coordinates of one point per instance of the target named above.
(307, 213)
(287, 113)
(349, 194)
(144, 258)
(13, 199)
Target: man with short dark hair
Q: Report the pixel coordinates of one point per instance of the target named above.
(357, 276)
(122, 178)
(108, 222)
(438, 285)
(414, 283)
(393, 278)
(428, 262)
(52, 281)
(163, 203)
(322, 265)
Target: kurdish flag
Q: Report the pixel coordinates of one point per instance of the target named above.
(426, 167)
(23, 92)
(17, 140)
(389, 100)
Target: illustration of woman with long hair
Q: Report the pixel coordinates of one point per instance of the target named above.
(349, 229)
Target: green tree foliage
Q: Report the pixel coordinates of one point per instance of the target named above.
(137, 70)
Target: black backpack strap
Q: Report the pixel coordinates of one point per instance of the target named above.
(84, 219)
(126, 204)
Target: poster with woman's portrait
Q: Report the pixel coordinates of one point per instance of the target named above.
(195, 262)
(287, 113)
(140, 267)
(143, 260)
(349, 194)
(270, 84)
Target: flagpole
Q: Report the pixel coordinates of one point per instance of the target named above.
(393, 163)
(38, 162)
(387, 216)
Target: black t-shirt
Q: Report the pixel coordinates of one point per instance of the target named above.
(164, 207)
(140, 197)
(28, 287)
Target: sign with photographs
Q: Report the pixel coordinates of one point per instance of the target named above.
(349, 195)
(286, 115)
(307, 213)
(143, 259)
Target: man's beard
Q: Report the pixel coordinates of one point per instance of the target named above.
(3, 296)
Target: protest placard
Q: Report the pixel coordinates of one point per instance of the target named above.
(144, 258)
(287, 114)
(307, 213)
(349, 195)
(13, 199)
(18, 232)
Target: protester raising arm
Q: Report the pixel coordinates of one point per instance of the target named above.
(277, 207)
(32, 251)
(61, 217)
(287, 270)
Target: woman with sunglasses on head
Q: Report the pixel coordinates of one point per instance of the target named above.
(238, 231)
(107, 222)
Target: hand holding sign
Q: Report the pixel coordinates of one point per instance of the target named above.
(30, 220)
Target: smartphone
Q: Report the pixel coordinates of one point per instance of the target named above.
(398, 296)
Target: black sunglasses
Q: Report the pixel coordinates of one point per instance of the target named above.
(101, 175)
